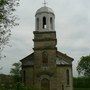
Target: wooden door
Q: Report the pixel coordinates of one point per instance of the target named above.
(45, 84)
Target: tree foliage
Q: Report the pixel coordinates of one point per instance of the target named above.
(7, 20)
(16, 72)
(81, 82)
(83, 67)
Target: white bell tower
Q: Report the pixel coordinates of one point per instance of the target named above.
(45, 19)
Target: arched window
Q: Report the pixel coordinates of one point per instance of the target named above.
(45, 84)
(62, 87)
(51, 23)
(44, 58)
(44, 23)
(37, 23)
(24, 77)
(67, 75)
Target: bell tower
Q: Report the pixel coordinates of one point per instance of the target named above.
(45, 19)
(47, 68)
(45, 48)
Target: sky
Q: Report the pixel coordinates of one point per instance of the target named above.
(72, 25)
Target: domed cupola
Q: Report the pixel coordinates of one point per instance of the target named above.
(45, 19)
(44, 10)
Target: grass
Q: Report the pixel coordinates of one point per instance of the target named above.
(82, 89)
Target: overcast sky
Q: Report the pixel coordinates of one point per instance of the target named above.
(72, 24)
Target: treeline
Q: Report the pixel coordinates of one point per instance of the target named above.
(14, 81)
(7, 82)
(81, 82)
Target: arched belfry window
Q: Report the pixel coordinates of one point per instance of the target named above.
(44, 23)
(37, 23)
(45, 84)
(51, 23)
(44, 58)
(68, 77)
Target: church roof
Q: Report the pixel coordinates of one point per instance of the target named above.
(45, 9)
(31, 56)
(64, 55)
(61, 62)
(28, 61)
(61, 59)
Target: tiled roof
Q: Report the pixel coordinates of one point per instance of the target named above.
(61, 59)
(28, 61)
(29, 57)
(64, 55)
(61, 62)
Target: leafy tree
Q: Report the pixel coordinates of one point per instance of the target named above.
(7, 20)
(16, 72)
(81, 82)
(6, 82)
(83, 67)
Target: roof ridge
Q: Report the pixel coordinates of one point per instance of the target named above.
(64, 55)
(27, 56)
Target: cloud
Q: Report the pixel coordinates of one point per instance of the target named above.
(72, 26)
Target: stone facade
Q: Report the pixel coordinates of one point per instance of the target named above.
(46, 68)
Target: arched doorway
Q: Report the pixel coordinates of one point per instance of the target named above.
(45, 84)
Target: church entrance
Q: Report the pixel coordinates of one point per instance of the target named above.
(45, 84)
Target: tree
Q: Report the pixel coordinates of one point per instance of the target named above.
(7, 20)
(16, 72)
(83, 67)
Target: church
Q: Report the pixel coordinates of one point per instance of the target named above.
(46, 68)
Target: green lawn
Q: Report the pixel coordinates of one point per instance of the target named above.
(82, 89)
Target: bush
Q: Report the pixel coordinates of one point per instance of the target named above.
(81, 82)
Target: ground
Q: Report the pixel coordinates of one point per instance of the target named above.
(82, 89)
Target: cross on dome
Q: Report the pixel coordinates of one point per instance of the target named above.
(44, 3)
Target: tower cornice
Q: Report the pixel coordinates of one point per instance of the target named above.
(43, 32)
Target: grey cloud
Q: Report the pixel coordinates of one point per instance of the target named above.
(72, 27)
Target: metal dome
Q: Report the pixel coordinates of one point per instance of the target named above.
(44, 9)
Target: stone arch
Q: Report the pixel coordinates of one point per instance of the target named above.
(44, 22)
(45, 84)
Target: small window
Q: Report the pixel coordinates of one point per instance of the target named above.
(37, 22)
(44, 23)
(51, 23)
(67, 75)
(44, 58)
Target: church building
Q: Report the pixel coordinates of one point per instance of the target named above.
(46, 68)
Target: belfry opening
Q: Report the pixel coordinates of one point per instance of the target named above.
(44, 23)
